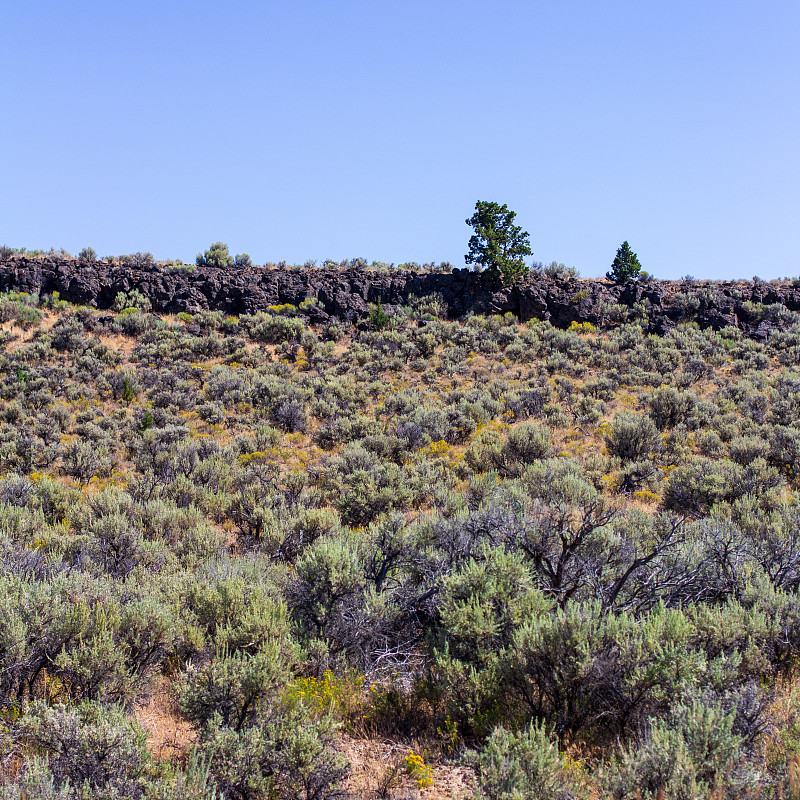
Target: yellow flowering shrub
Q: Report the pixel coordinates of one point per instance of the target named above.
(337, 697)
(415, 766)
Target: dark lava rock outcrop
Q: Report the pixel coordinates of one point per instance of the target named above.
(756, 308)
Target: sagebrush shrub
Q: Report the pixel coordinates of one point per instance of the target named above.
(527, 764)
(632, 437)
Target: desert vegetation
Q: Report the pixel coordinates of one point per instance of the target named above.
(506, 559)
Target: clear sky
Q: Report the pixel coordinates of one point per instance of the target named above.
(342, 128)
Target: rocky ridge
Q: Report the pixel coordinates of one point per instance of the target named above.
(756, 308)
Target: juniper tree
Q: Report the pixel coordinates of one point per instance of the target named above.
(498, 246)
(625, 265)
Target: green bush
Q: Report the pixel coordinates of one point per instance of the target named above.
(526, 444)
(227, 691)
(132, 299)
(632, 437)
(589, 671)
(746, 449)
(481, 607)
(285, 755)
(528, 764)
(670, 407)
(256, 742)
(691, 754)
(694, 488)
(87, 751)
(216, 256)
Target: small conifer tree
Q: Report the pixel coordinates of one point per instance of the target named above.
(128, 393)
(625, 266)
(378, 318)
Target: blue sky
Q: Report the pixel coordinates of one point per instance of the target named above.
(311, 129)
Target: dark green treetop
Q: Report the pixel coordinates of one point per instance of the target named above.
(625, 265)
(498, 246)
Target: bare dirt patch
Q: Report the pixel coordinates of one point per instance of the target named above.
(377, 772)
(170, 734)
